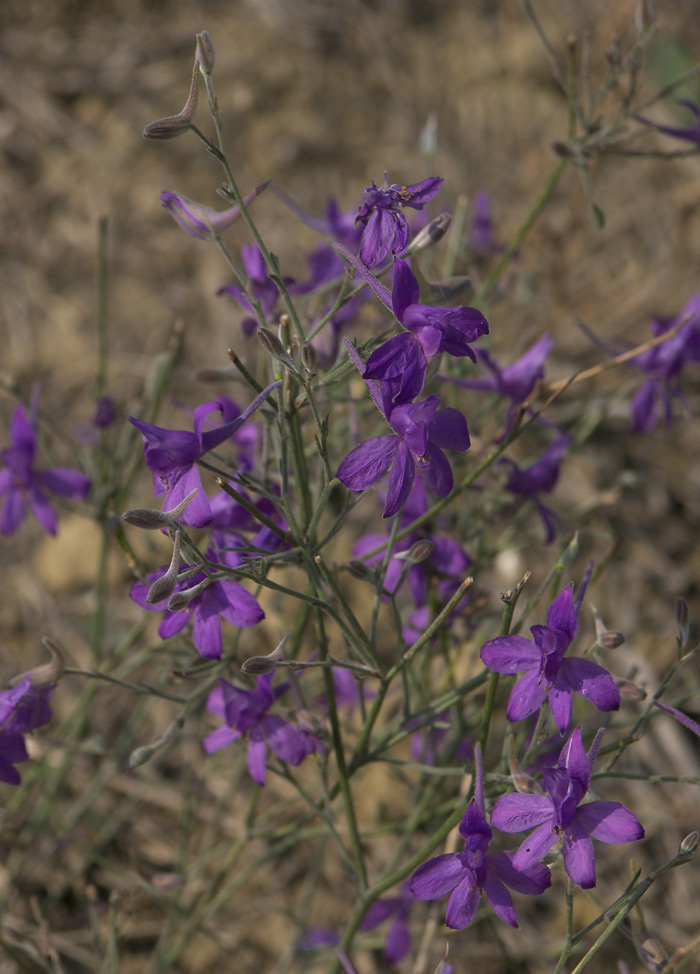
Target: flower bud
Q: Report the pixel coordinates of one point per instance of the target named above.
(150, 520)
(360, 571)
(205, 53)
(429, 235)
(689, 843)
(309, 358)
(174, 125)
(630, 691)
(682, 617)
(163, 586)
(418, 552)
(611, 639)
(180, 600)
(259, 665)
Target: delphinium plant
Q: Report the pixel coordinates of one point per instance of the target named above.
(339, 490)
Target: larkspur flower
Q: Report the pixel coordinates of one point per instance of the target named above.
(401, 362)
(264, 290)
(421, 430)
(514, 382)
(220, 599)
(549, 673)
(171, 455)
(385, 227)
(398, 938)
(481, 226)
(202, 221)
(245, 713)
(540, 477)
(691, 134)
(23, 708)
(560, 814)
(24, 486)
(476, 872)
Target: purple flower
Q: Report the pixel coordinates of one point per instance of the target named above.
(540, 477)
(689, 134)
(171, 455)
(559, 814)
(202, 221)
(548, 672)
(261, 288)
(398, 939)
(381, 214)
(340, 226)
(475, 872)
(515, 381)
(481, 229)
(220, 599)
(401, 361)
(420, 433)
(663, 364)
(26, 487)
(246, 715)
(22, 709)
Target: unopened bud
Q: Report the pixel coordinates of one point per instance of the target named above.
(429, 235)
(165, 882)
(611, 639)
(569, 553)
(444, 965)
(140, 756)
(689, 843)
(259, 665)
(47, 674)
(180, 600)
(174, 125)
(630, 691)
(360, 571)
(418, 552)
(205, 53)
(524, 783)
(150, 520)
(274, 347)
(309, 358)
(682, 617)
(164, 586)
(650, 952)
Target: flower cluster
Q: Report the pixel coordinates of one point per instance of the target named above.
(22, 709)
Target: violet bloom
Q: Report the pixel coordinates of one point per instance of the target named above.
(481, 228)
(691, 134)
(540, 477)
(420, 433)
(663, 364)
(402, 360)
(25, 487)
(171, 455)
(516, 381)
(262, 288)
(221, 599)
(398, 938)
(560, 814)
(381, 214)
(245, 713)
(549, 673)
(475, 872)
(22, 709)
(202, 221)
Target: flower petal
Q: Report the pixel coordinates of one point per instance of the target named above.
(500, 900)
(463, 904)
(527, 696)
(510, 654)
(516, 813)
(368, 463)
(592, 682)
(437, 877)
(609, 822)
